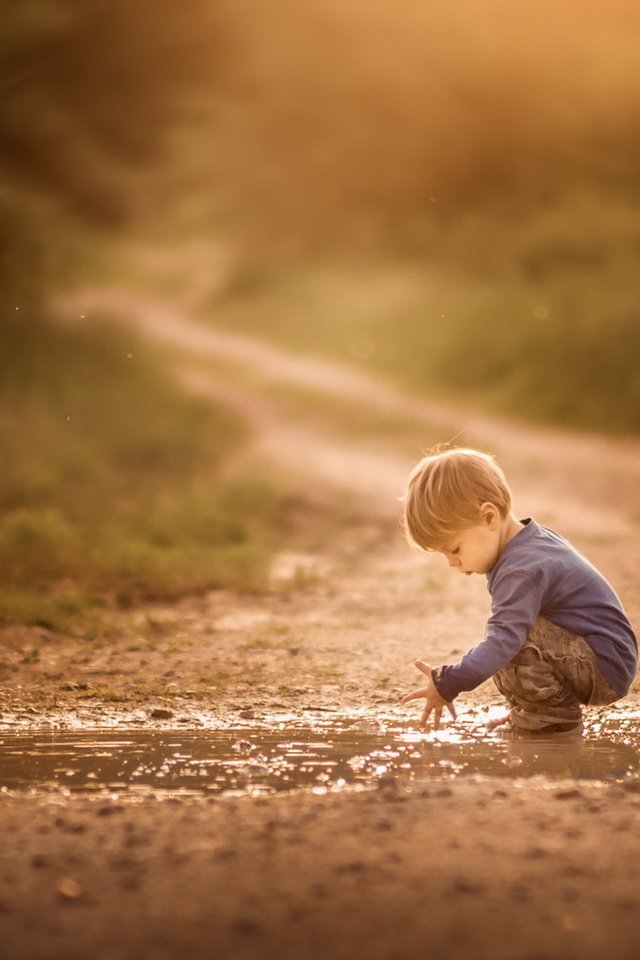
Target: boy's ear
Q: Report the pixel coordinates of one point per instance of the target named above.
(490, 514)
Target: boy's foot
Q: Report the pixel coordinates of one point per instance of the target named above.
(555, 731)
(498, 722)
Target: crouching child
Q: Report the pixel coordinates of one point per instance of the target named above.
(557, 637)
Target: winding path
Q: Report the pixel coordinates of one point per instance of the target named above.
(589, 482)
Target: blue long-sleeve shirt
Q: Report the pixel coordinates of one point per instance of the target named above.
(540, 574)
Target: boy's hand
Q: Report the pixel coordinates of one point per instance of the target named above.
(435, 704)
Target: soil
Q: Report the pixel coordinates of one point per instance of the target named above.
(518, 869)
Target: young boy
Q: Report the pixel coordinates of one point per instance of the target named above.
(557, 636)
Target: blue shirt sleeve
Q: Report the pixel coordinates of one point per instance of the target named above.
(516, 599)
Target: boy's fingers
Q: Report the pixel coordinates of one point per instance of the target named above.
(452, 711)
(437, 717)
(423, 667)
(415, 695)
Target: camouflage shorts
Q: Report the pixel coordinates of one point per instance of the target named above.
(547, 681)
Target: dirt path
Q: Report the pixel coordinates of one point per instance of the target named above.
(574, 472)
(371, 604)
(484, 870)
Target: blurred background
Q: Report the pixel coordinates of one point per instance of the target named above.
(443, 196)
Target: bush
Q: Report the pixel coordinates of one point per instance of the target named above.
(112, 483)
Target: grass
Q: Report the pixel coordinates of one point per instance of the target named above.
(111, 481)
(535, 319)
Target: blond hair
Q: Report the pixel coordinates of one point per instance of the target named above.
(445, 493)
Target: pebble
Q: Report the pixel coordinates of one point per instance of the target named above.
(462, 885)
(68, 888)
(631, 786)
(107, 811)
(536, 853)
(245, 925)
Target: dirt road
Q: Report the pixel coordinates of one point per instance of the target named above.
(517, 870)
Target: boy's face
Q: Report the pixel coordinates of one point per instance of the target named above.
(474, 549)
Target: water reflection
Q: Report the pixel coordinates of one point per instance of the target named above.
(324, 758)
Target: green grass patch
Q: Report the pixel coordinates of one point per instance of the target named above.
(533, 317)
(111, 480)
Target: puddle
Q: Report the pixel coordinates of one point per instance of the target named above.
(327, 757)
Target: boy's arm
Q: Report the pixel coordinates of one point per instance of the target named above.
(434, 702)
(516, 603)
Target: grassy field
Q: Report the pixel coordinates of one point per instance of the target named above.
(446, 195)
(452, 200)
(534, 319)
(111, 488)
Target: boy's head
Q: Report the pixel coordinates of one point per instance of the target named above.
(449, 492)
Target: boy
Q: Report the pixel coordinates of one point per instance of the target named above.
(557, 636)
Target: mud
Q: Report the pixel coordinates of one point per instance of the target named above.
(478, 849)
(334, 755)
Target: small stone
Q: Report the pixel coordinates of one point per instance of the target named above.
(161, 713)
(444, 792)
(247, 714)
(571, 794)
(462, 885)
(68, 888)
(387, 786)
(38, 861)
(245, 925)
(631, 786)
(536, 853)
(108, 810)
(356, 866)
(224, 853)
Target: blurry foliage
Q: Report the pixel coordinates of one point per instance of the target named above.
(89, 91)
(492, 147)
(366, 124)
(111, 484)
(562, 348)
(110, 476)
(315, 126)
(292, 128)
(90, 85)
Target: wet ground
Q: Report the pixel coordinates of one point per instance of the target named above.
(330, 755)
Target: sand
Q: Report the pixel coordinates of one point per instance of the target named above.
(462, 869)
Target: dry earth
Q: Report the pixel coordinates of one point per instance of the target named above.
(470, 869)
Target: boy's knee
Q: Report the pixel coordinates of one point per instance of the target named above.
(528, 678)
(556, 664)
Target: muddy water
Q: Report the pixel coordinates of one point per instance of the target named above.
(329, 756)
